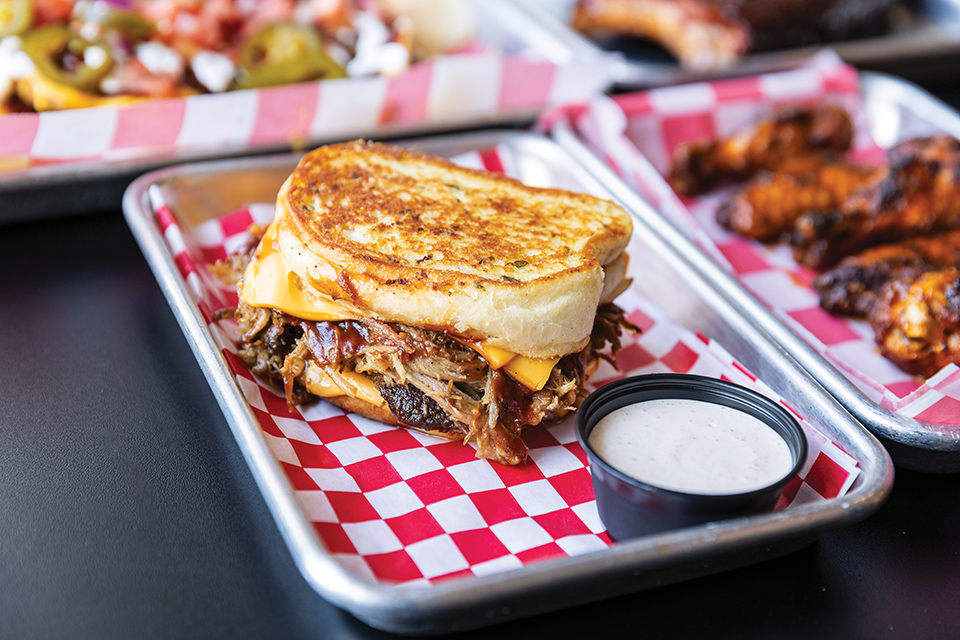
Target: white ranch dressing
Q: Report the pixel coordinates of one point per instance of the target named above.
(691, 446)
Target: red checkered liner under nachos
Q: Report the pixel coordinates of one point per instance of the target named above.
(472, 86)
(401, 507)
(637, 134)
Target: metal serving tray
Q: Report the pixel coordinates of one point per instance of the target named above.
(897, 110)
(96, 184)
(686, 283)
(925, 46)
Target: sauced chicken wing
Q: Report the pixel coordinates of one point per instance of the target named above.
(917, 321)
(852, 286)
(919, 195)
(791, 140)
(767, 207)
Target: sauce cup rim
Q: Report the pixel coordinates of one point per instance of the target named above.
(714, 387)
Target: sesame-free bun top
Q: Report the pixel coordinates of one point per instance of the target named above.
(411, 238)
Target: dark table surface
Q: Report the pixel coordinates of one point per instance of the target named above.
(127, 510)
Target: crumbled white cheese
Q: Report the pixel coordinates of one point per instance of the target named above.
(89, 31)
(213, 70)
(374, 52)
(111, 85)
(14, 64)
(393, 59)
(95, 57)
(159, 59)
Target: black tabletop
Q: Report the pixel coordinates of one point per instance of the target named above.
(127, 510)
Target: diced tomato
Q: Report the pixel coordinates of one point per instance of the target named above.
(53, 10)
(212, 24)
(260, 14)
(135, 79)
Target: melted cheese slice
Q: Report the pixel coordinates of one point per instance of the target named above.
(320, 384)
(531, 372)
(45, 95)
(269, 282)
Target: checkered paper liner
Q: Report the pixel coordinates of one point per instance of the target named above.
(636, 135)
(396, 506)
(470, 87)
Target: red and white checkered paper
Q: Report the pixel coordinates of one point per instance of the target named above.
(637, 133)
(456, 89)
(397, 506)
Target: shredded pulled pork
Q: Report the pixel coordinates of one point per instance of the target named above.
(424, 375)
(429, 381)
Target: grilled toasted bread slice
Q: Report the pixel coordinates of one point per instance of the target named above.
(411, 238)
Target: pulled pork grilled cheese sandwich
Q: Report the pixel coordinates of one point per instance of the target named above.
(453, 301)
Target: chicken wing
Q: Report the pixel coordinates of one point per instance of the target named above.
(918, 195)
(792, 140)
(852, 287)
(767, 207)
(917, 321)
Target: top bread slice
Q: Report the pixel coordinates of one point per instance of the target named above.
(412, 238)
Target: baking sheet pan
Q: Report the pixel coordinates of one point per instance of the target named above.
(76, 161)
(895, 110)
(923, 44)
(683, 280)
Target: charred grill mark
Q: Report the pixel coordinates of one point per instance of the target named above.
(952, 299)
(852, 287)
(918, 194)
(415, 409)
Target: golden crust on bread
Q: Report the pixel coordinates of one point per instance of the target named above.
(416, 239)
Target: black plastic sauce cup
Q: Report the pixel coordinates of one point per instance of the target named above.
(629, 507)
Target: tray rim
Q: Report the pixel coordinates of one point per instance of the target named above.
(404, 608)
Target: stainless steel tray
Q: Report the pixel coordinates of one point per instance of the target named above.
(689, 287)
(85, 186)
(925, 47)
(897, 110)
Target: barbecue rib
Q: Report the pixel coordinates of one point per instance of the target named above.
(707, 34)
(791, 140)
(917, 321)
(919, 195)
(852, 287)
(767, 207)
